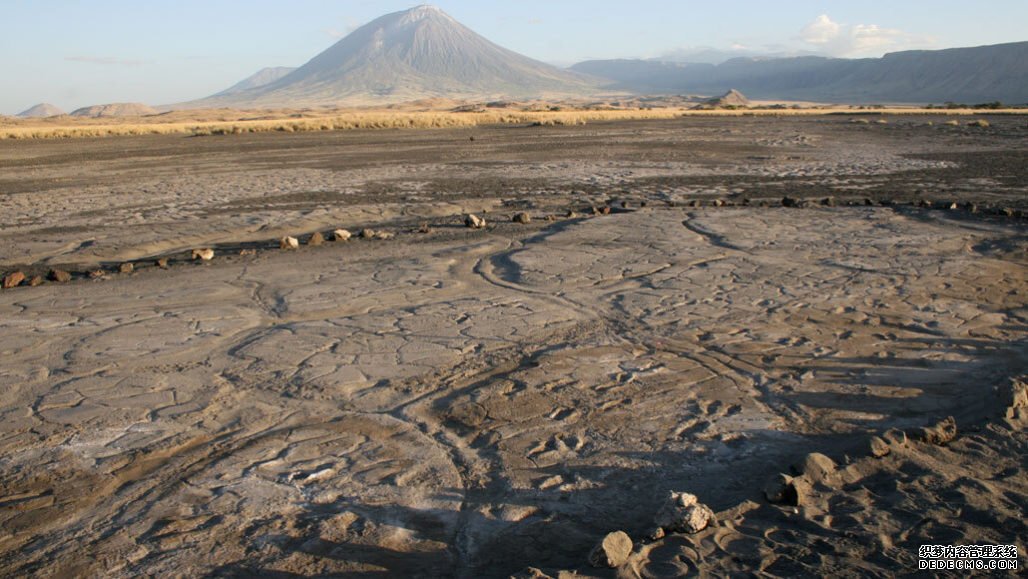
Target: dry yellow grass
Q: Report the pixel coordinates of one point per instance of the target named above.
(64, 127)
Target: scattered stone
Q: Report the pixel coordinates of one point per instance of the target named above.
(882, 122)
(815, 466)
(719, 203)
(384, 235)
(682, 513)
(367, 233)
(205, 254)
(163, 263)
(869, 202)
(1007, 212)
(655, 534)
(860, 121)
(572, 215)
(953, 123)
(425, 229)
(316, 239)
(341, 235)
(781, 489)
(60, 276)
(127, 268)
(828, 202)
(879, 447)
(473, 221)
(522, 218)
(247, 252)
(970, 207)
(37, 280)
(979, 123)
(612, 552)
(288, 242)
(790, 202)
(13, 279)
(97, 274)
(695, 203)
(941, 434)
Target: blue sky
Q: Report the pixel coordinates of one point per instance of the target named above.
(75, 53)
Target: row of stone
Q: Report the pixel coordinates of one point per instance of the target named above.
(17, 278)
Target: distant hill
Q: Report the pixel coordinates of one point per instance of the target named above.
(967, 75)
(419, 53)
(262, 77)
(41, 111)
(732, 98)
(114, 110)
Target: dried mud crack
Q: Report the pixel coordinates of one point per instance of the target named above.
(471, 402)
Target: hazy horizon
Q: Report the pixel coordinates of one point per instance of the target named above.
(72, 55)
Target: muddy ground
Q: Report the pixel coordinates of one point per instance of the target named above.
(478, 402)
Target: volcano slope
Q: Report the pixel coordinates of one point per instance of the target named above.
(463, 402)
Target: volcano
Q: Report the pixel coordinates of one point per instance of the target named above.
(415, 54)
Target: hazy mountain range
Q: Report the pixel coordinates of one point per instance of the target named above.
(968, 75)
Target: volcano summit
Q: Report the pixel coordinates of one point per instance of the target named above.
(415, 54)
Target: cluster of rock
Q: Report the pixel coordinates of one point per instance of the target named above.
(681, 513)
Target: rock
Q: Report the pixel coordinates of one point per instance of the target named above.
(127, 268)
(341, 235)
(682, 513)
(781, 490)
(895, 437)
(522, 218)
(37, 280)
(367, 234)
(474, 222)
(719, 203)
(13, 279)
(316, 239)
(97, 274)
(163, 263)
(869, 202)
(205, 254)
(288, 242)
(1015, 399)
(247, 252)
(790, 202)
(815, 466)
(941, 433)
(384, 235)
(979, 123)
(572, 215)
(424, 228)
(530, 572)
(60, 276)
(655, 534)
(828, 202)
(612, 552)
(879, 448)
(470, 414)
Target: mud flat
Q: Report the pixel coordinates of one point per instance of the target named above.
(475, 402)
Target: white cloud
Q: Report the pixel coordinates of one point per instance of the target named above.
(837, 39)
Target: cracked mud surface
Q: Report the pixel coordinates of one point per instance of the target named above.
(471, 403)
